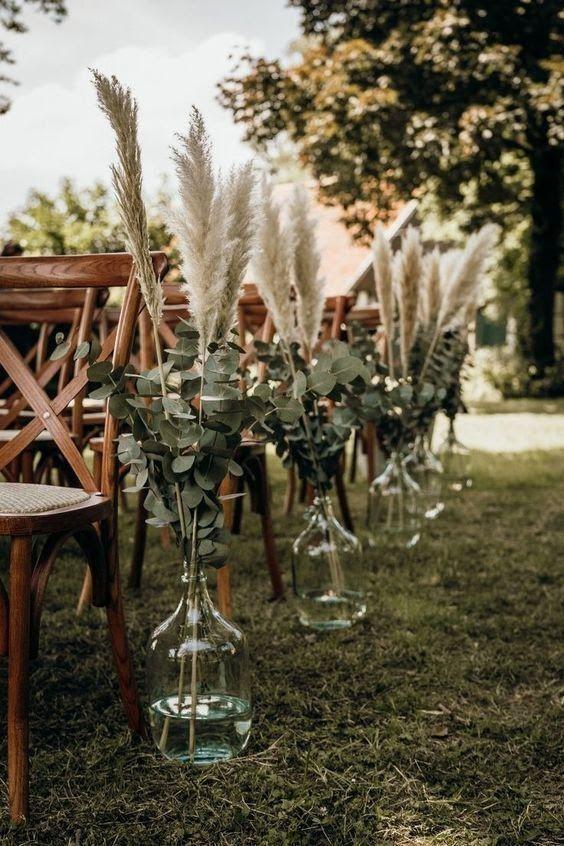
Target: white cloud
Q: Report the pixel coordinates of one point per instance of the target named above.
(55, 131)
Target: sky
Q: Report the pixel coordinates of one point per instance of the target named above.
(171, 52)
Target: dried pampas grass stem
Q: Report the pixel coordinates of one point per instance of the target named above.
(460, 287)
(430, 293)
(272, 264)
(239, 198)
(407, 271)
(309, 286)
(202, 225)
(120, 108)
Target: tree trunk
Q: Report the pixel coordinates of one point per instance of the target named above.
(544, 256)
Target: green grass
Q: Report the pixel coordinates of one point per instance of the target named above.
(435, 721)
(512, 406)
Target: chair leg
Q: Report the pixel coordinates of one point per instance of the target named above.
(165, 537)
(139, 543)
(18, 678)
(370, 452)
(343, 501)
(118, 634)
(224, 600)
(268, 532)
(27, 466)
(238, 508)
(290, 494)
(85, 598)
(354, 456)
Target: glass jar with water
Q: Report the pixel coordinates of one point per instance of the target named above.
(198, 681)
(329, 575)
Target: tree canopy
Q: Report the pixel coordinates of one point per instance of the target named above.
(11, 19)
(80, 221)
(387, 99)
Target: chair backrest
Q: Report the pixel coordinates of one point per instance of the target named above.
(88, 274)
(42, 313)
(335, 316)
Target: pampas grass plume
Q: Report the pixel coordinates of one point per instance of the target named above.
(202, 225)
(272, 264)
(461, 284)
(120, 108)
(408, 279)
(309, 286)
(241, 210)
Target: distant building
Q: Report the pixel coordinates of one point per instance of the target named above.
(346, 265)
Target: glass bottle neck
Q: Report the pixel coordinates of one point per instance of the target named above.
(194, 579)
(321, 509)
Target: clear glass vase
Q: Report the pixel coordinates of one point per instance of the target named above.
(328, 571)
(198, 681)
(394, 507)
(425, 469)
(456, 461)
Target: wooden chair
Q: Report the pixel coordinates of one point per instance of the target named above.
(86, 513)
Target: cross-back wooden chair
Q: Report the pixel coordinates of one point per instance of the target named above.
(251, 456)
(46, 311)
(51, 515)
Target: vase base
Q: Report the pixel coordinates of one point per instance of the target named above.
(221, 728)
(328, 611)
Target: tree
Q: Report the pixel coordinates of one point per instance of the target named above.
(11, 20)
(81, 221)
(391, 98)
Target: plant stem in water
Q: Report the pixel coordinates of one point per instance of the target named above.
(334, 563)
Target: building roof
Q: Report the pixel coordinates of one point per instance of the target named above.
(345, 263)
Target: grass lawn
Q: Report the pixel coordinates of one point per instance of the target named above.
(437, 720)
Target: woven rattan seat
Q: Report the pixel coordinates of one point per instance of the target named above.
(20, 498)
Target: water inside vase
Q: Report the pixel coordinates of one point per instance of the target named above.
(325, 609)
(222, 727)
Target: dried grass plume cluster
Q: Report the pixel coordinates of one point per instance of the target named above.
(286, 267)
(426, 292)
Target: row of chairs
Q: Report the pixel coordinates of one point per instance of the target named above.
(49, 429)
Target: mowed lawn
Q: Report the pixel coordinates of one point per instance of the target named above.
(437, 720)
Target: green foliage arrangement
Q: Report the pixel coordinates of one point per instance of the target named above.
(314, 406)
(180, 448)
(426, 303)
(314, 394)
(180, 443)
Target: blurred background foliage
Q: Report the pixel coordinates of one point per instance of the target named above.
(83, 220)
(456, 103)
